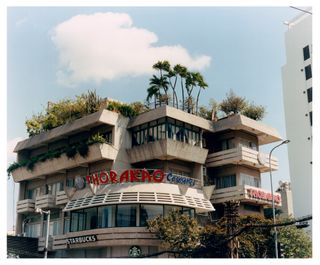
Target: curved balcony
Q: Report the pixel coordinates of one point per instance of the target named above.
(245, 193)
(242, 156)
(96, 152)
(167, 149)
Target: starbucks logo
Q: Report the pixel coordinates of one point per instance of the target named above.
(79, 183)
(135, 251)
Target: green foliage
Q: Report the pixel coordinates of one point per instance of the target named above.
(233, 104)
(71, 151)
(254, 112)
(97, 138)
(178, 232)
(126, 110)
(64, 111)
(83, 149)
(296, 243)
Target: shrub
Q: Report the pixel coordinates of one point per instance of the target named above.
(255, 112)
(71, 151)
(233, 104)
(83, 149)
(97, 138)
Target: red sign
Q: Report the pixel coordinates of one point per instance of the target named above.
(129, 175)
(262, 195)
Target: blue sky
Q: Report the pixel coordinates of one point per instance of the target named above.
(236, 48)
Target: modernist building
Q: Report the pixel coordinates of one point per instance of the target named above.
(161, 160)
(297, 96)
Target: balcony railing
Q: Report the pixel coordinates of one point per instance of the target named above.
(167, 149)
(26, 206)
(46, 201)
(245, 193)
(242, 156)
(96, 152)
(61, 198)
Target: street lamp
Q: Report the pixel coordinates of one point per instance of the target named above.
(273, 207)
(38, 210)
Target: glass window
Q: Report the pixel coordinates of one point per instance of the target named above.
(309, 94)
(32, 230)
(77, 221)
(148, 212)
(249, 180)
(308, 72)
(66, 225)
(70, 182)
(225, 182)
(310, 117)
(188, 211)
(126, 215)
(91, 218)
(106, 216)
(306, 53)
(170, 208)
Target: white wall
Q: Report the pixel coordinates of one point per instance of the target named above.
(298, 128)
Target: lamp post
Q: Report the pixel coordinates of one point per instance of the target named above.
(38, 210)
(273, 206)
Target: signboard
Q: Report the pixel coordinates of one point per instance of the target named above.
(81, 239)
(262, 195)
(137, 175)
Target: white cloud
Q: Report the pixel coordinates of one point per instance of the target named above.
(11, 144)
(107, 46)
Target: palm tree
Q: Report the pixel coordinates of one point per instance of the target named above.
(172, 74)
(162, 82)
(182, 72)
(153, 91)
(156, 84)
(202, 85)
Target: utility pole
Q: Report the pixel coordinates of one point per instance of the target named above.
(232, 214)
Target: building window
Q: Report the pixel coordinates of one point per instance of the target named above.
(308, 72)
(126, 215)
(251, 207)
(310, 117)
(32, 230)
(106, 216)
(225, 182)
(148, 212)
(91, 215)
(309, 94)
(306, 53)
(249, 180)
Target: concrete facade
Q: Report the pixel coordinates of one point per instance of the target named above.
(297, 95)
(160, 160)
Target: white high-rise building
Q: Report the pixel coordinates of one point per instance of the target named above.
(297, 95)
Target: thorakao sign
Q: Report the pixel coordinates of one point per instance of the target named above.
(137, 175)
(81, 239)
(262, 195)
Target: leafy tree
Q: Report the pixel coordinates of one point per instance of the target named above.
(233, 104)
(296, 243)
(179, 232)
(254, 112)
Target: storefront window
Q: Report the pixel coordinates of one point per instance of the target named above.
(126, 215)
(170, 208)
(148, 211)
(106, 216)
(91, 218)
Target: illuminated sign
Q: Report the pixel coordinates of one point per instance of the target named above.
(262, 195)
(81, 239)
